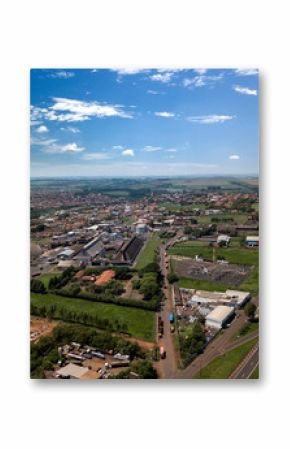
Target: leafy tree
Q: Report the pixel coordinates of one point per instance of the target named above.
(250, 310)
(187, 230)
(37, 286)
(172, 277)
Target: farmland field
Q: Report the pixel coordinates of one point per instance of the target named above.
(147, 255)
(141, 323)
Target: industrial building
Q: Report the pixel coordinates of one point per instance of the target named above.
(219, 316)
(252, 240)
(234, 298)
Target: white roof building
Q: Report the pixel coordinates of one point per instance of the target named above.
(73, 371)
(239, 297)
(219, 316)
(224, 238)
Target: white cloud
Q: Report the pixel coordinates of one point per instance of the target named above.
(42, 129)
(209, 119)
(165, 114)
(128, 152)
(247, 72)
(68, 110)
(162, 77)
(61, 74)
(234, 157)
(150, 149)
(117, 147)
(245, 90)
(96, 156)
(171, 150)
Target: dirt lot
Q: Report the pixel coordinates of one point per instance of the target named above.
(40, 327)
(231, 274)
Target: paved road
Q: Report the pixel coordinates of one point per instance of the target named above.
(247, 366)
(167, 367)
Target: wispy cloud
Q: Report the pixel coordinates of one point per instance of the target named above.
(164, 114)
(62, 74)
(209, 119)
(69, 110)
(202, 80)
(42, 129)
(246, 72)
(53, 146)
(71, 129)
(155, 92)
(151, 149)
(245, 90)
(130, 71)
(117, 147)
(171, 150)
(96, 156)
(128, 152)
(234, 157)
(200, 71)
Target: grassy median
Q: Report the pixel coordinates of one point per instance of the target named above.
(223, 366)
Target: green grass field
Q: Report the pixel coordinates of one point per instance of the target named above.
(141, 323)
(45, 278)
(241, 256)
(237, 218)
(148, 253)
(222, 366)
(201, 285)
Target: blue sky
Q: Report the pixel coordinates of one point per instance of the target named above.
(150, 122)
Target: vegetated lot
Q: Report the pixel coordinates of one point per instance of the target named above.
(233, 218)
(148, 254)
(234, 255)
(222, 366)
(175, 207)
(247, 328)
(231, 274)
(45, 278)
(40, 327)
(139, 323)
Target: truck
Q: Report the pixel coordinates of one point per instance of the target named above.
(162, 352)
(171, 317)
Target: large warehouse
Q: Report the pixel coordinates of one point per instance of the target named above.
(219, 316)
